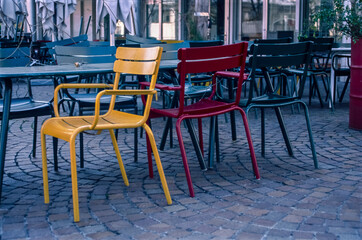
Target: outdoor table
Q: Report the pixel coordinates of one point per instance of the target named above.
(9, 74)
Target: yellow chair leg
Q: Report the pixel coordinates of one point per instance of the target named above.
(73, 167)
(158, 163)
(45, 168)
(119, 158)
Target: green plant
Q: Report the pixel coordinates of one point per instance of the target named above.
(342, 16)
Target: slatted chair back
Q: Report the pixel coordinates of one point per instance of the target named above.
(276, 40)
(278, 56)
(169, 49)
(131, 39)
(322, 45)
(210, 59)
(208, 43)
(11, 57)
(50, 51)
(68, 41)
(99, 44)
(72, 54)
(321, 52)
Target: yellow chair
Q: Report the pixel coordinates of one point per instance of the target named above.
(137, 61)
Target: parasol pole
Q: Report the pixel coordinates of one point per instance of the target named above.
(112, 40)
(133, 22)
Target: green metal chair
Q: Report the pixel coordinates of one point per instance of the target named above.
(25, 106)
(285, 57)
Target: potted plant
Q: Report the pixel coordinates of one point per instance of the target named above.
(345, 18)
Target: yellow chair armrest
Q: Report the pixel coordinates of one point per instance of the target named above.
(130, 92)
(115, 92)
(75, 85)
(84, 85)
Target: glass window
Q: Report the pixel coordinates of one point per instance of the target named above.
(281, 18)
(204, 20)
(216, 20)
(169, 16)
(153, 20)
(320, 28)
(251, 18)
(169, 19)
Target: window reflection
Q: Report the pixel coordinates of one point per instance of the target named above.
(251, 19)
(281, 18)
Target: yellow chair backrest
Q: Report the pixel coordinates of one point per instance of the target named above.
(137, 61)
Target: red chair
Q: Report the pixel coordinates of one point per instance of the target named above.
(215, 59)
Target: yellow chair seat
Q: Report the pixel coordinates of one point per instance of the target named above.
(65, 127)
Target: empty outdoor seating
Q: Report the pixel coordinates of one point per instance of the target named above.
(206, 59)
(285, 57)
(131, 61)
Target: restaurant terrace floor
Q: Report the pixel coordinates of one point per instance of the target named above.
(292, 200)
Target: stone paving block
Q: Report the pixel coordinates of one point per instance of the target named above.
(75, 236)
(249, 236)
(101, 235)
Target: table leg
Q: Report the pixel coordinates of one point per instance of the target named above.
(4, 128)
(212, 141)
(191, 130)
(332, 89)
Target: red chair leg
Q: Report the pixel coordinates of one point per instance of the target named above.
(250, 142)
(184, 159)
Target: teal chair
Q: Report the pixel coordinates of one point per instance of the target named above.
(25, 106)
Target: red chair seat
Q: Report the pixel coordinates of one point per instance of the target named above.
(205, 107)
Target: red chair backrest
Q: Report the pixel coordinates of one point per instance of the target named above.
(212, 59)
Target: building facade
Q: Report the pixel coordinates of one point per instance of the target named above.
(227, 20)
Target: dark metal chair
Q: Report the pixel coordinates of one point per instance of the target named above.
(26, 106)
(320, 59)
(341, 71)
(283, 57)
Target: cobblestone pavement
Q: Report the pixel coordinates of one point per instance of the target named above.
(292, 200)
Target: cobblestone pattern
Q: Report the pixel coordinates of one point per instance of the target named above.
(292, 200)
